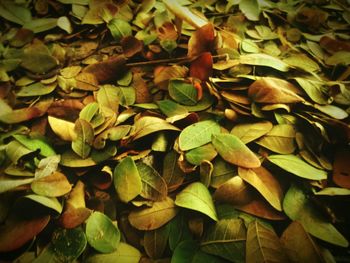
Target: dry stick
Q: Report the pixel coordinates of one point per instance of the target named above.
(170, 60)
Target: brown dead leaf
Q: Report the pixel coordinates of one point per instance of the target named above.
(143, 94)
(341, 168)
(202, 40)
(131, 46)
(202, 67)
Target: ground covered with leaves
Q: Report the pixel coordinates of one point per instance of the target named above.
(174, 131)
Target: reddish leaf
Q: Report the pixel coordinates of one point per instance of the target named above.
(131, 46)
(202, 40)
(202, 67)
(341, 168)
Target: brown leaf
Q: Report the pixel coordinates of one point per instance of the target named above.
(341, 168)
(202, 67)
(163, 74)
(334, 45)
(143, 94)
(86, 81)
(273, 90)
(202, 40)
(131, 46)
(108, 70)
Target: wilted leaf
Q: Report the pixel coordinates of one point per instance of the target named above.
(38, 63)
(299, 245)
(16, 233)
(264, 60)
(15, 151)
(314, 89)
(202, 67)
(62, 128)
(248, 132)
(222, 172)
(10, 184)
(101, 233)
(47, 166)
(267, 185)
(197, 197)
(127, 181)
(263, 244)
(108, 96)
(298, 207)
(153, 217)
(49, 202)
(172, 174)
(53, 185)
(113, 134)
(296, 166)
(197, 134)
(333, 111)
(341, 169)
(164, 74)
(153, 185)
(234, 151)
(36, 89)
(119, 28)
(156, 241)
(226, 239)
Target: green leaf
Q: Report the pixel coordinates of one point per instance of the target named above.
(89, 111)
(227, 239)
(333, 111)
(172, 174)
(179, 230)
(81, 145)
(261, 59)
(50, 202)
(16, 150)
(41, 24)
(303, 62)
(127, 96)
(119, 28)
(333, 191)
(153, 185)
(125, 253)
(197, 134)
(171, 108)
(66, 246)
(263, 244)
(298, 207)
(297, 166)
(234, 151)
(71, 159)
(36, 89)
(222, 172)
(108, 96)
(299, 245)
(10, 184)
(149, 124)
(114, 134)
(127, 181)
(35, 144)
(203, 153)
(38, 63)
(338, 58)
(101, 233)
(250, 8)
(151, 218)
(197, 197)
(314, 89)
(14, 13)
(182, 92)
(204, 103)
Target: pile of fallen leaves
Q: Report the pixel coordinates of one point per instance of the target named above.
(174, 131)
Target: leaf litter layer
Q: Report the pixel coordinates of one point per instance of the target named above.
(174, 131)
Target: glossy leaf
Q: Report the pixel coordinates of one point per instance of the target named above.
(154, 217)
(234, 151)
(197, 134)
(298, 207)
(197, 197)
(296, 166)
(127, 181)
(101, 233)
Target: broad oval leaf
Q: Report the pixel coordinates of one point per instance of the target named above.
(182, 92)
(264, 60)
(16, 233)
(197, 197)
(81, 145)
(108, 97)
(156, 241)
(227, 239)
(62, 128)
(298, 207)
(71, 159)
(10, 184)
(49, 202)
(36, 89)
(151, 218)
(125, 253)
(153, 185)
(101, 233)
(172, 174)
(16, 150)
(296, 166)
(263, 244)
(36, 144)
(299, 245)
(198, 134)
(273, 90)
(200, 154)
(127, 181)
(53, 185)
(119, 28)
(266, 184)
(234, 151)
(248, 132)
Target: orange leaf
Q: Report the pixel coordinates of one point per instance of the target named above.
(202, 67)
(202, 40)
(341, 168)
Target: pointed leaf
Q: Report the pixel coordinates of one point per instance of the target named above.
(197, 197)
(248, 132)
(85, 136)
(62, 128)
(53, 185)
(127, 181)
(296, 166)
(234, 151)
(182, 92)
